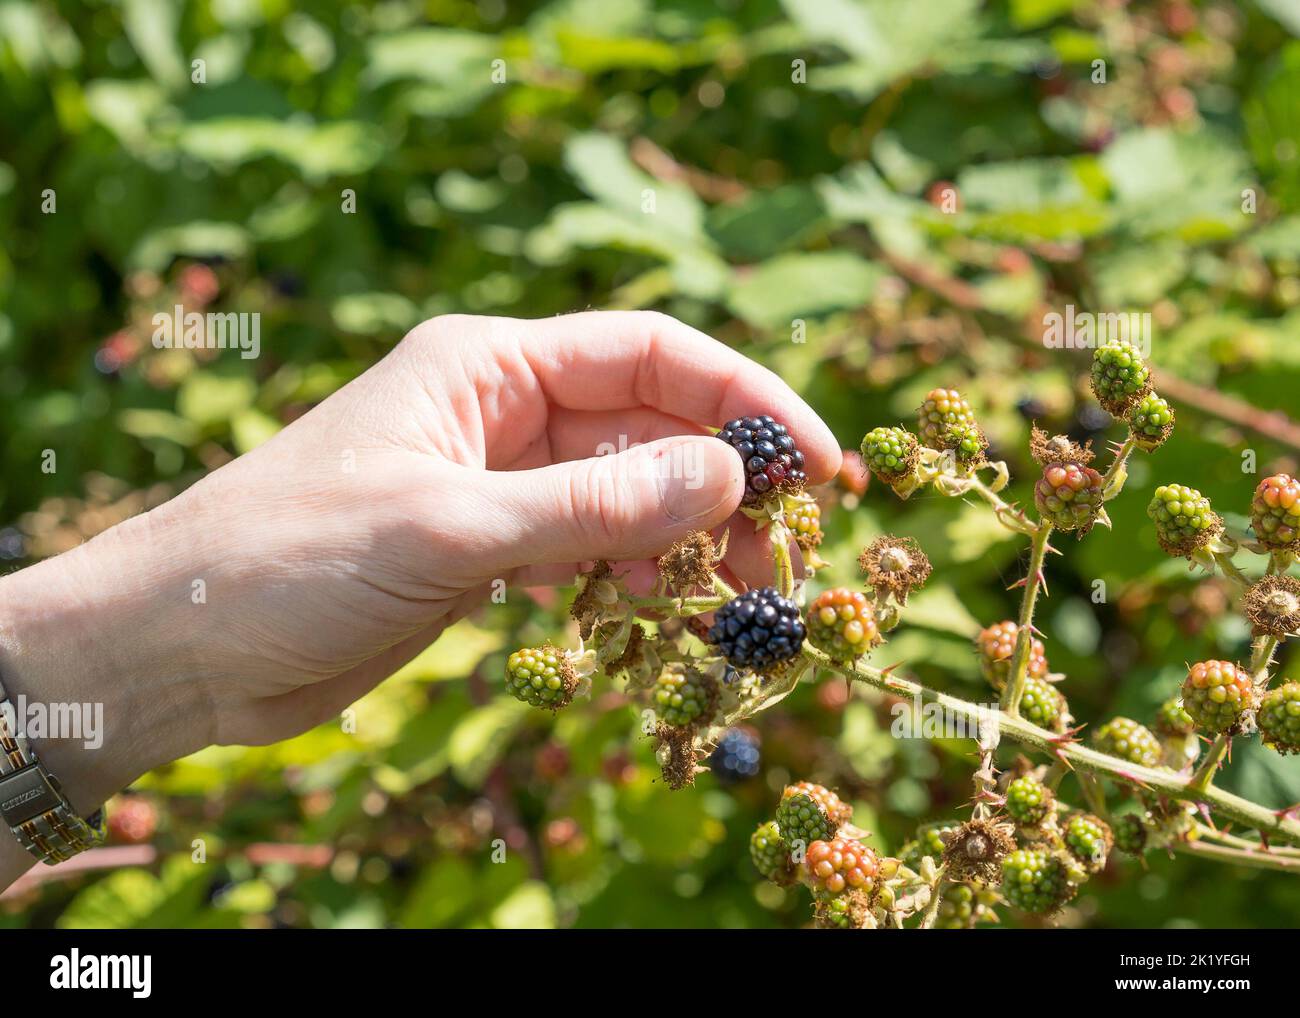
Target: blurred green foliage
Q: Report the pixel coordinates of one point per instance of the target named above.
(774, 172)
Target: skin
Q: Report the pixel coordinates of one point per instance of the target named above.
(341, 548)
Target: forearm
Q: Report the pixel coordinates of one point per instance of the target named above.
(95, 636)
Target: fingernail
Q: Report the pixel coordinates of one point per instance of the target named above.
(693, 480)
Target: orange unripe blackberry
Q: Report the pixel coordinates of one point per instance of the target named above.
(841, 864)
(1275, 512)
(842, 623)
(1217, 693)
(942, 408)
(996, 646)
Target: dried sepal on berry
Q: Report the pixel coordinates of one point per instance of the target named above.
(975, 850)
(1047, 449)
(895, 566)
(1184, 521)
(690, 563)
(677, 756)
(1150, 421)
(596, 600)
(1273, 606)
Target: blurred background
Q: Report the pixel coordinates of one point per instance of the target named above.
(873, 198)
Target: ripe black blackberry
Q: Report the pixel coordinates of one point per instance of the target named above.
(758, 629)
(737, 756)
(773, 463)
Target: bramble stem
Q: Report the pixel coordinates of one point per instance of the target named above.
(1117, 465)
(1257, 858)
(680, 605)
(1074, 754)
(1015, 688)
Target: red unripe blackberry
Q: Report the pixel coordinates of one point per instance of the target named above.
(841, 864)
(1126, 739)
(941, 409)
(1068, 495)
(1216, 694)
(773, 463)
(996, 646)
(842, 623)
(1275, 512)
(1279, 718)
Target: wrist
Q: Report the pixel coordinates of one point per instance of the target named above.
(98, 663)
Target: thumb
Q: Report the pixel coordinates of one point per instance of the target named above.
(631, 505)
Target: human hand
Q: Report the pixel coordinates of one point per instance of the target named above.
(334, 553)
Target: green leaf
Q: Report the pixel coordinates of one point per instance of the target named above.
(789, 286)
(529, 907)
(480, 737)
(767, 222)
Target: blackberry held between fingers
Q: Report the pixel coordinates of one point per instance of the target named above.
(1034, 880)
(1126, 739)
(1068, 496)
(773, 463)
(1275, 512)
(941, 409)
(758, 629)
(737, 756)
(1279, 718)
(1217, 694)
(1120, 376)
(842, 623)
(1183, 518)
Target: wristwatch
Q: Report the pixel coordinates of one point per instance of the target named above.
(32, 802)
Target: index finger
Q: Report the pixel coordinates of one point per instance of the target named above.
(610, 360)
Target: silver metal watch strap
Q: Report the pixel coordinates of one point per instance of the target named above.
(33, 804)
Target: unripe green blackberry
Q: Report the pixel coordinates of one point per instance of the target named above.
(1029, 802)
(890, 453)
(1089, 840)
(805, 522)
(1042, 704)
(1068, 495)
(928, 841)
(966, 442)
(1216, 694)
(963, 905)
(941, 409)
(1126, 739)
(682, 698)
(769, 852)
(1120, 377)
(1279, 718)
(1275, 512)
(996, 646)
(842, 623)
(541, 676)
(1150, 422)
(1183, 518)
(1130, 832)
(809, 813)
(1034, 880)
(1172, 719)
